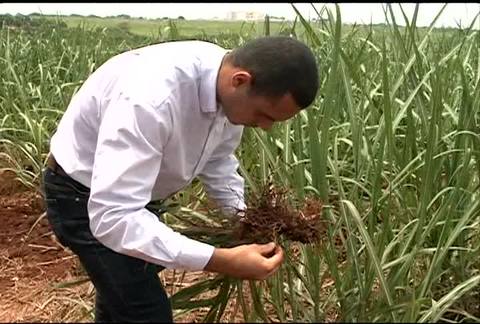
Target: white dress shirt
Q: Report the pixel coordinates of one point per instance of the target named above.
(141, 128)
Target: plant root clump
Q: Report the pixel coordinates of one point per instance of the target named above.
(271, 216)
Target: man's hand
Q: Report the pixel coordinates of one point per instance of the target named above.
(250, 261)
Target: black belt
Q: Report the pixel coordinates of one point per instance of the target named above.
(54, 166)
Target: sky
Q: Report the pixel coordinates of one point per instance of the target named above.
(456, 14)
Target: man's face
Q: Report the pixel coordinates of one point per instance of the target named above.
(245, 108)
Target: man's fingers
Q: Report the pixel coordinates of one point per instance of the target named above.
(276, 259)
(267, 249)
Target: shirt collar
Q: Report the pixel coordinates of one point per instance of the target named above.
(208, 83)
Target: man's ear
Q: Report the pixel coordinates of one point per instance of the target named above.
(240, 78)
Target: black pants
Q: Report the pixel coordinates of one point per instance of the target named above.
(127, 289)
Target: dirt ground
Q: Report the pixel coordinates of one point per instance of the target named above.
(33, 265)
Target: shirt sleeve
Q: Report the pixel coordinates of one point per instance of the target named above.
(219, 175)
(127, 161)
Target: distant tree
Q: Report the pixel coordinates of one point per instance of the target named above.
(181, 18)
(29, 24)
(93, 16)
(124, 16)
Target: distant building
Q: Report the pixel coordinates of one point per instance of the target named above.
(245, 15)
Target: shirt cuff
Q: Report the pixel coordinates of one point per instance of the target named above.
(234, 208)
(195, 255)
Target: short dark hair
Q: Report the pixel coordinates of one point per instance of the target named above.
(278, 65)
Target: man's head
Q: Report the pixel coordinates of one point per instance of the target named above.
(268, 79)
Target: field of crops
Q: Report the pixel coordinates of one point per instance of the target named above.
(391, 147)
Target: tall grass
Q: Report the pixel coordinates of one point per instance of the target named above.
(390, 149)
(391, 146)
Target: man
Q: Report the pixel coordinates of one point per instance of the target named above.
(141, 128)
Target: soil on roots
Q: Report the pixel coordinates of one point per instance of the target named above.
(274, 213)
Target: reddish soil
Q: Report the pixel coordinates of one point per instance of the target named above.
(29, 252)
(25, 234)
